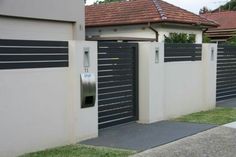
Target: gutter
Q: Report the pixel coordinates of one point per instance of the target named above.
(154, 30)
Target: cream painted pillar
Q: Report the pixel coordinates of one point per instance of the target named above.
(151, 82)
(84, 122)
(209, 58)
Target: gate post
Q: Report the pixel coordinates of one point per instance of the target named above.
(151, 82)
(209, 58)
(83, 121)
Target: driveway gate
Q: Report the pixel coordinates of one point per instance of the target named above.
(117, 83)
(226, 72)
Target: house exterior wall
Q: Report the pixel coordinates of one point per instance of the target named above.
(50, 10)
(172, 89)
(142, 31)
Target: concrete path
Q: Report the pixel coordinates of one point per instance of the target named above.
(227, 103)
(217, 142)
(141, 137)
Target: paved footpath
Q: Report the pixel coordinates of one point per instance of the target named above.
(217, 142)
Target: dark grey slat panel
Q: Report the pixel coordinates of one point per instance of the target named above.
(115, 50)
(107, 96)
(115, 72)
(103, 102)
(222, 90)
(33, 65)
(111, 106)
(120, 66)
(23, 50)
(118, 55)
(115, 111)
(116, 122)
(4, 42)
(225, 85)
(113, 117)
(115, 89)
(226, 93)
(182, 59)
(171, 54)
(117, 45)
(117, 83)
(114, 78)
(32, 57)
(115, 61)
(225, 97)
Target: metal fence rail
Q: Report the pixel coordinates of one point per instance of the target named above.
(21, 54)
(226, 72)
(117, 83)
(183, 52)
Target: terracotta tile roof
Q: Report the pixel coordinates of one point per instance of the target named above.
(140, 12)
(226, 19)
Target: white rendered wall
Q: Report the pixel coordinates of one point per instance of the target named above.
(172, 89)
(142, 31)
(52, 10)
(28, 29)
(40, 108)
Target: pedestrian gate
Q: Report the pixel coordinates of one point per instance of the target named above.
(117, 83)
(226, 72)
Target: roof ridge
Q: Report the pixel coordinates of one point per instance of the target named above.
(160, 10)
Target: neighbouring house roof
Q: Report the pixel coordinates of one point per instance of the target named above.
(226, 19)
(141, 12)
(227, 24)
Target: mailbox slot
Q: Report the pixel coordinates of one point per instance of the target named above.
(88, 90)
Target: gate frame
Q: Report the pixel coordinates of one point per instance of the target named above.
(135, 47)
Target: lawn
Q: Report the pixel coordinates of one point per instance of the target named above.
(81, 151)
(218, 116)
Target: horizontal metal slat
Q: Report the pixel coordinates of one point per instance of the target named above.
(114, 89)
(23, 50)
(116, 122)
(115, 61)
(115, 111)
(114, 67)
(32, 57)
(33, 65)
(114, 78)
(222, 90)
(182, 59)
(225, 97)
(117, 116)
(114, 83)
(112, 95)
(4, 42)
(115, 72)
(225, 93)
(109, 101)
(111, 106)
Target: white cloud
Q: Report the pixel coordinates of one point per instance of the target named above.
(190, 5)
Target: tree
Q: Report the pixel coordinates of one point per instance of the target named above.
(206, 39)
(107, 1)
(180, 38)
(231, 41)
(204, 10)
(231, 6)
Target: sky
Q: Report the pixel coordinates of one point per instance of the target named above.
(190, 5)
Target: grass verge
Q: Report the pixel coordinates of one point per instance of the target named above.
(218, 116)
(80, 151)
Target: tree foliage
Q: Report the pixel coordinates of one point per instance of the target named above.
(180, 38)
(204, 10)
(231, 41)
(206, 39)
(107, 1)
(231, 5)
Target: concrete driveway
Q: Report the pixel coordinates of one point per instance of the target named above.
(227, 103)
(217, 142)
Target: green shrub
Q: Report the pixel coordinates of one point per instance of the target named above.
(180, 38)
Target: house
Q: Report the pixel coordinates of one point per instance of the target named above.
(226, 28)
(42, 20)
(142, 20)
